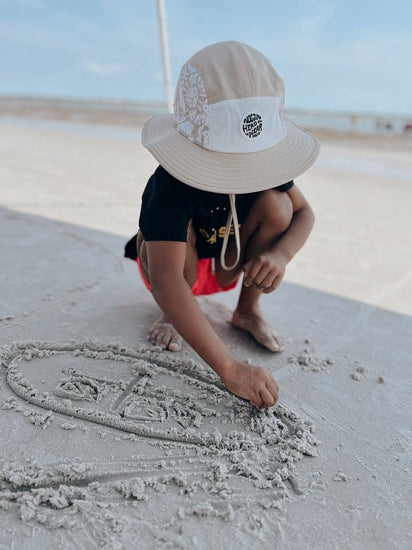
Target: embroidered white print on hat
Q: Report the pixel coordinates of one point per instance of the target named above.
(252, 125)
(191, 109)
(229, 133)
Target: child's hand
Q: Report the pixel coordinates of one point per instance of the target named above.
(255, 384)
(265, 272)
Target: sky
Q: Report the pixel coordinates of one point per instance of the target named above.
(344, 55)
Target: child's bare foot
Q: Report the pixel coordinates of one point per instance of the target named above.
(163, 334)
(259, 329)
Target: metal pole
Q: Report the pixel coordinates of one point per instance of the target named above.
(165, 54)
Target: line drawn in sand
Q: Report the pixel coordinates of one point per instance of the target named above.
(215, 446)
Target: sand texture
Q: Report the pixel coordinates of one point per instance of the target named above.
(109, 443)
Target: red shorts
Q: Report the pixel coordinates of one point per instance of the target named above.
(205, 279)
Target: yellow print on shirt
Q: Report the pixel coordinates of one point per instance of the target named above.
(212, 238)
(222, 230)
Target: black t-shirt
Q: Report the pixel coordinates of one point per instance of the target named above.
(168, 205)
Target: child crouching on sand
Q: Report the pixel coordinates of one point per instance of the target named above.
(223, 204)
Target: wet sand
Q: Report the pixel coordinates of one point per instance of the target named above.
(108, 443)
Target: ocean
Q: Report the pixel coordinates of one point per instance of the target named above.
(134, 113)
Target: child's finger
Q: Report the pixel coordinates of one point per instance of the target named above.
(262, 276)
(246, 268)
(268, 399)
(257, 401)
(252, 273)
(270, 288)
(275, 283)
(267, 282)
(273, 388)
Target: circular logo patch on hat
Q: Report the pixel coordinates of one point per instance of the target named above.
(252, 125)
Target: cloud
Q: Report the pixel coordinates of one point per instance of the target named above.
(104, 69)
(315, 20)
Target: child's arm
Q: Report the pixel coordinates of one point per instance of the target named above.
(166, 260)
(272, 265)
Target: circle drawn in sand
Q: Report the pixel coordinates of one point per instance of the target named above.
(143, 393)
(216, 455)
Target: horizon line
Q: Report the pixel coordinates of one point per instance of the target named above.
(122, 102)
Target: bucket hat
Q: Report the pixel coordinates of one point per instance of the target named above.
(228, 132)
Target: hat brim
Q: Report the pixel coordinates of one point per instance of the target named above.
(229, 172)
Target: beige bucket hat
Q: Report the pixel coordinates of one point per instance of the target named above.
(229, 133)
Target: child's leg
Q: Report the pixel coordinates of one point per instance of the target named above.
(162, 332)
(269, 218)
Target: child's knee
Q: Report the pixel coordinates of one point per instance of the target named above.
(276, 210)
(142, 255)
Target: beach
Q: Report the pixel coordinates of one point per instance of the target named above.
(109, 443)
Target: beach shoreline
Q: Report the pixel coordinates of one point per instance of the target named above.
(128, 114)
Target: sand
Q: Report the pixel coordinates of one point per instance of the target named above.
(109, 443)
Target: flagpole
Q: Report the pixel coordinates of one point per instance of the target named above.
(165, 53)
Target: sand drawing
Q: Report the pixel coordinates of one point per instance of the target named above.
(207, 439)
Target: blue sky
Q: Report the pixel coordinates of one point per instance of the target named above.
(333, 54)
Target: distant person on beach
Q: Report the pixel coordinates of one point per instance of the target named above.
(223, 204)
